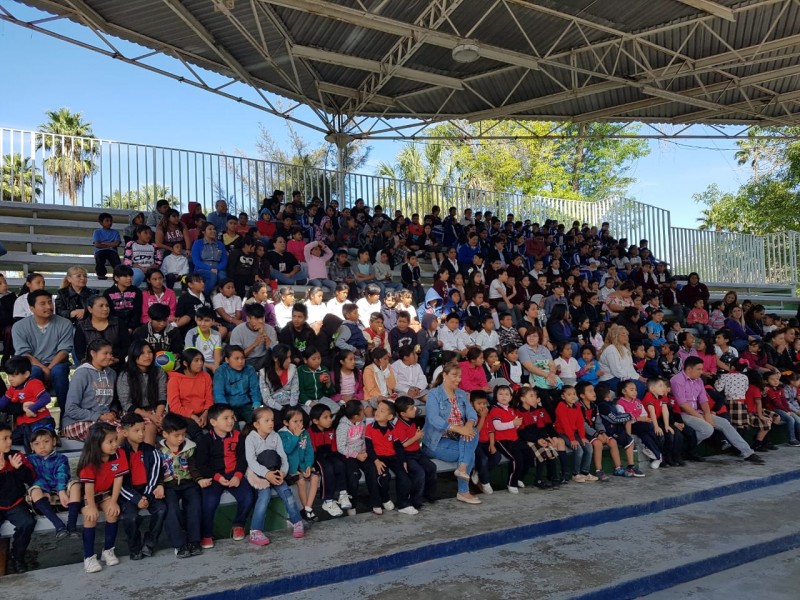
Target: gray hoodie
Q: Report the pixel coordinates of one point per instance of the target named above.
(91, 392)
(254, 445)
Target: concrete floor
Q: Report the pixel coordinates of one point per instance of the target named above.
(552, 566)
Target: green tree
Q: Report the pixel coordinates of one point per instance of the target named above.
(142, 199)
(69, 141)
(20, 180)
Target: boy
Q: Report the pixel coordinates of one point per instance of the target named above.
(181, 490)
(242, 266)
(141, 488)
(297, 334)
(254, 336)
(656, 403)
(477, 308)
(221, 462)
(189, 302)
(617, 425)
(175, 265)
(351, 337)
(655, 330)
(452, 337)
(15, 473)
(506, 332)
(26, 400)
(411, 276)
(402, 334)
(124, 299)
(52, 486)
(105, 241)
(596, 431)
(162, 335)
(421, 469)
(487, 337)
(205, 339)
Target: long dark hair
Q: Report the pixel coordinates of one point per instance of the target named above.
(133, 374)
(278, 354)
(350, 409)
(337, 371)
(187, 356)
(95, 346)
(92, 453)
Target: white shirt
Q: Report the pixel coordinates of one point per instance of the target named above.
(283, 314)
(487, 340)
(365, 309)
(408, 376)
(569, 368)
(21, 308)
(335, 307)
(453, 340)
(175, 265)
(229, 305)
(496, 290)
(316, 312)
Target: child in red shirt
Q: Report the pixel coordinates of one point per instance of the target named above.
(505, 423)
(754, 414)
(570, 426)
(328, 460)
(537, 431)
(421, 469)
(15, 474)
(486, 457)
(775, 400)
(26, 400)
(656, 404)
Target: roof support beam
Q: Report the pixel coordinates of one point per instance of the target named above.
(712, 8)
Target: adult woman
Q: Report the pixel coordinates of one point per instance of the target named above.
(449, 432)
(171, 231)
(730, 300)
(693, 290)
(379, 380)
(616, 361)
(752, 319)
(91, 393)
(537, 360)
(98, 324)
(210, 257)
(616, 302)
(779, 351)
(278, 379)
(71, 298)
(531, 320)
(742, 334)
(142, 388)
(559, 329)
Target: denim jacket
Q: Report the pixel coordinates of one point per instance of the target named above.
(437, 413)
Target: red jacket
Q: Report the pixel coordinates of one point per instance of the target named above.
(404, 431)
(569, 421)
(324, 442)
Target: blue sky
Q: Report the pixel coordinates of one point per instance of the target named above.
(126, 103)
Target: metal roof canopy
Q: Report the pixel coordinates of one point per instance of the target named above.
(362, 64)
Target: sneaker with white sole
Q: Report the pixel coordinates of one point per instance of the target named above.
(377, 510)
(351, 512)
(330, 507)
(298, 530)
(520, 485)
(475, 478)
(344, 501)
(589, 477)
(648, 453)
(388, 505)
(91, 564)
(109, 557)
(486, 488)
(408, 510)
(579, 478)
(513, 490)
(654, 464)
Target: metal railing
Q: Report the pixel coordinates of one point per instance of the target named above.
(87, 172)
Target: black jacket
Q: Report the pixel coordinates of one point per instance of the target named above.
(152, 460)
(67, 301)
(212, 451)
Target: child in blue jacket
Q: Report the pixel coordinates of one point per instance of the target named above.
(300, 454)
(236, 384)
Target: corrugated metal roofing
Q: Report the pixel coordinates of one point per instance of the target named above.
(612, 60)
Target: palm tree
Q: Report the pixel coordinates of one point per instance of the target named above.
(20, 180)
(69, 139)
(705, 220)
(146, 196)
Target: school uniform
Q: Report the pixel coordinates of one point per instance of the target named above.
(143, 476)
(421, 469)
(383, 444)
(507, 442)
(329, 462)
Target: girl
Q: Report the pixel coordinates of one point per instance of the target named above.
(316, 307)
(505, 423)
(473, 377)
(91, 393)
(596, 332)
(698, 318)
(775, 400)
(314, 382)
(189, 392)
(379, 381)
(267, 466)
(492, 367)
(33, 282)
(142, 388)
(441, 284)
(347, 379)
(537, 432)
(350, 444)
(641, 424)
(227, 305)
(389, 310)
(124, 299)
(716, 320)
(236, 384)
(300, 456)
(101, 468)
(278, 379)
(512, 368)
(566, 366)
(157, 293)
(260, 293)
(705, 350)
(588, 367)
(328, 461)
(570, 426)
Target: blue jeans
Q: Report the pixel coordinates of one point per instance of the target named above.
(792, 423)
(459, 451)
(485, 462)
(211, 496)
(138, 277)
(641, 386)
(284, 492)
(329, 285)
(210, 278)
(582, 457)
(59, 379)
(301, 275)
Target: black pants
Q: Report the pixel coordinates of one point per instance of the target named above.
(100, 258)
(422, 473)
(184, 511)
(673, 446)
(354, 468)
(402, 481)
(485, 462)
(333, 474)
(24, 523)
(132, 521)
(647, 434)
(520, 456)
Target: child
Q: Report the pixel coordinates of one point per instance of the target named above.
(669, 364)
(52, 486)
(141, 489)
(156, 293)
(125, 299)
(641, 424)
(505, 423)
(192, 299)
(566, 366)
(296, 245)
(101, 468)
(716, 320)
(205, 339)
(351, 445)
(267, 468)
(389, 310)
(675, 330)
(329, 462)
(221, 461)
(755, 416)
(227, 305)
(411, 277)
(337, 303)
(105, 240)
(376, 334)
(347, 378)
(421, 469)
(486, 455)
(140, 254)
(698, 319)
(33, 282)
(508, 335)
(175, 266)
(402, 335)
(570, 426)
(315, 382)
(26, 400)
(657, 405)
(615, 422)
(182, 491)
(655, 329)
(189, 392)
(386, 451)
(487, 337)
(511, 367)
(596, 430)
(300, 454)
(236, 384)
(407, 304)
(159, 332)
(589, 368)
(775, 400)
(15, 473)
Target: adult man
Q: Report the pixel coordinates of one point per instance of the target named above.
(46, 339)
(690, 394)
(283, 265)
(220, 216)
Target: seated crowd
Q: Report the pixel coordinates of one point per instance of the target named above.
(539, 343)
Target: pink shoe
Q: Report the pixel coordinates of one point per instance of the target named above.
(297, 530)
(257, 538)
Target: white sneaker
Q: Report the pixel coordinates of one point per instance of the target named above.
(486, 488)
(388, 505)
(475, 478)
(520, 485)
(344, 501)
(330, 507)
(648, 453)
(351, 512)
(513, 490)
(408, 510)
(377, 510)
(654, 464)
(109, 557)
(91, 564)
